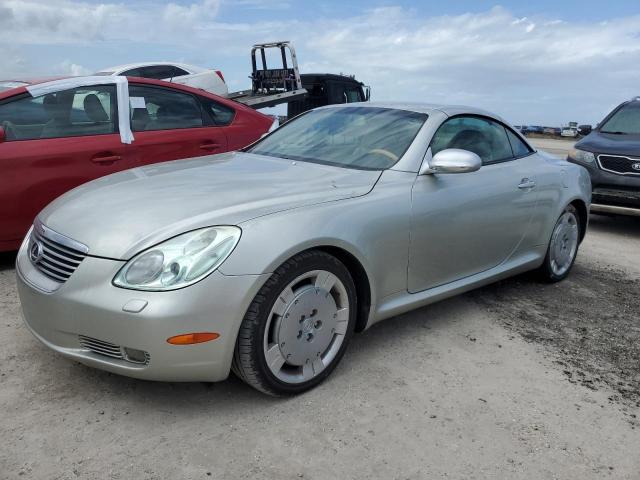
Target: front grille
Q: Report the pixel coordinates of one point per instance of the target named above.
(108, 349)
(54, 255)
(619, 164)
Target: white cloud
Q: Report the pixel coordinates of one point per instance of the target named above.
(533, 69)
(69, 68)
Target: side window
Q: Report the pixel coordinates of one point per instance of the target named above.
(353, 94)
(158, 72)
(177, 72)
(155, 72)
(154, 108)
(134, 72)
(219, 115)
(520, 149)
(484, 137)
(71, 113)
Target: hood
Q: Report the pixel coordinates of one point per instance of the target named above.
(118, 215)
(597, 142)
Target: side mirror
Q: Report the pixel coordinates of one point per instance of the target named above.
(452, 160)
(3, 135)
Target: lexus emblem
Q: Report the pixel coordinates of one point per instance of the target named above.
(35, 251)
(636, 166)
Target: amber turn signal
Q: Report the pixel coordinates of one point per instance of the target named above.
(191, 338)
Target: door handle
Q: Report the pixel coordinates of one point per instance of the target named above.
(526, 184)
(106, 160)
(210, 146)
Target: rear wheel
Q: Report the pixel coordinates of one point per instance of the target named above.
(563, 246)
(298, 326)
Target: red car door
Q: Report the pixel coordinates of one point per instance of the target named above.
(52, 144)
(170, 124)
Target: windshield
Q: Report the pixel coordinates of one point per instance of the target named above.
(353, 137)
(626, 121)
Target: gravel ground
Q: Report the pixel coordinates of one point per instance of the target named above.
(556, 147)
(518, 380)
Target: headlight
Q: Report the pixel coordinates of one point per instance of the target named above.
(582, 156)
(180, 261)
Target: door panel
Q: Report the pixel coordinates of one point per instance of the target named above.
(56, 142)
(35, 172)
(170, 125)
(463, 224)
(164, 145)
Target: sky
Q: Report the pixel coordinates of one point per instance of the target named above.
(536, 63)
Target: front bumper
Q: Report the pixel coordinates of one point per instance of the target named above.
(613, 193)
(87, 305)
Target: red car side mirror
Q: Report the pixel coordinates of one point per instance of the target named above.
(3, 136)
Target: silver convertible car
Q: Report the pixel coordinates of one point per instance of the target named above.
(266, 261)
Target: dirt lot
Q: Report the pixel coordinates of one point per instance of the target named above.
(559, 148)
(517, 380)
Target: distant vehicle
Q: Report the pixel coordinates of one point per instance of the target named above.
(611, 154)
(570, 130)
(535, 129)
(56, 135)
(585, 130)
(328, 89)
(196, 77)
(549, 131)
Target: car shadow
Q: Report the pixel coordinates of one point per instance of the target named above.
(617, 224)
(233, 395)
(7, 260)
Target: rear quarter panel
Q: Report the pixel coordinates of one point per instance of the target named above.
(559, 183)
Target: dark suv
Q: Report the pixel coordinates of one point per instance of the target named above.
(611, 154)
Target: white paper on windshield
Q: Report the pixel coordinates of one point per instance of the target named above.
(137, 102)
(122, 94)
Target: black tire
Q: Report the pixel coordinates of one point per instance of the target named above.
(249, 362)
(545, 272)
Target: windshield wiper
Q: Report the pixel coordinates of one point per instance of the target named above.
(614, 133)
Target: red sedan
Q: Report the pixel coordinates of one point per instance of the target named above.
(59, 134)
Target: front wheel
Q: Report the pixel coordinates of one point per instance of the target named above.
(298, 325)
(563, 247)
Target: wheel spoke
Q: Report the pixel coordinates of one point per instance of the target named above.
(311, 369)
(325, 281)
(341, 327)
(274, 358)
(342, 314)
(283, 301)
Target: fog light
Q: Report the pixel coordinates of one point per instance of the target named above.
(135, 356)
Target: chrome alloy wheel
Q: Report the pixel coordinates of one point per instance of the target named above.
(564, 243)
(306, 326)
